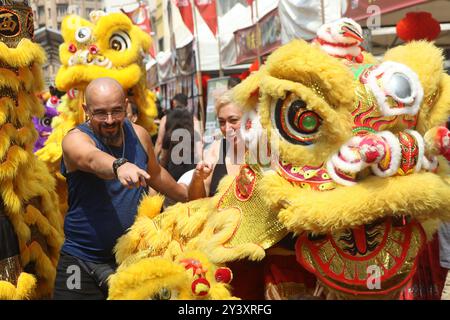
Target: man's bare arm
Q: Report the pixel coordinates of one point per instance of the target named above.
(80, 153)
(165, 184)
(159, 139)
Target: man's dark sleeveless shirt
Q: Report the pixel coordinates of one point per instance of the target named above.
(100, 211)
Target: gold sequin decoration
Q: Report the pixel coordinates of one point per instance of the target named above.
(397, 236)
(10, 269)
(393, 248)
(367, 115)
(306, 254)
(349, 269)
(431, 99)
(317, 89)
(259, 222)
(337, 265)
(327, 252)
(361, 269)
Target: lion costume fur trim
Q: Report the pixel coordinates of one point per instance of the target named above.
(26, 186)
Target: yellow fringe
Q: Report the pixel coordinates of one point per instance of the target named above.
(346, 207)
(150, 206)
(26, 285)
(26, 187)
(25, 54)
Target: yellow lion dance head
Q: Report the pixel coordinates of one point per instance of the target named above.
(357, 174)
(107, 46)
(355, 169)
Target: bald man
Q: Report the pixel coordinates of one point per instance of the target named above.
(108, 162)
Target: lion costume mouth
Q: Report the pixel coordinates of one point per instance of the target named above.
(347, 232)
(384, 249)
(79, 75)
(422, 196)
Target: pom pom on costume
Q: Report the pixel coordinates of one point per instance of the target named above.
(224, 275)
(342, 39)
(418, 26)
(188, 277)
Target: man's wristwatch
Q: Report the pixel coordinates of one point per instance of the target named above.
(117, 163)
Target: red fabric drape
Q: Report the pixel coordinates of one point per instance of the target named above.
(207, 9)
(186, 13)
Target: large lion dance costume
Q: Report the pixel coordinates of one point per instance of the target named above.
(107, 46)
(358, 175)
(30, 221)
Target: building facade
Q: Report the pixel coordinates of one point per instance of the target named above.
(50, 13)
(158, 25)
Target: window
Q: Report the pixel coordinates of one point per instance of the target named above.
(61, 9)
(41, 11)
(49, 13)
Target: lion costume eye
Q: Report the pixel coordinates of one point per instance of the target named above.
(83, 34)
(295, 122)
(400, 86)
(45, 122)
(120, 41)
(396, 88)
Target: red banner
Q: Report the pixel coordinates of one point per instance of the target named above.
(248, 40)
(140, 17)
(270, 32)
(207, 9)
(358, 9)
(186, 13)
(246, 44)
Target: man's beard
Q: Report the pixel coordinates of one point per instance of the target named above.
(112, 138)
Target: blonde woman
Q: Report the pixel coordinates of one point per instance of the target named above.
(224, 156)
